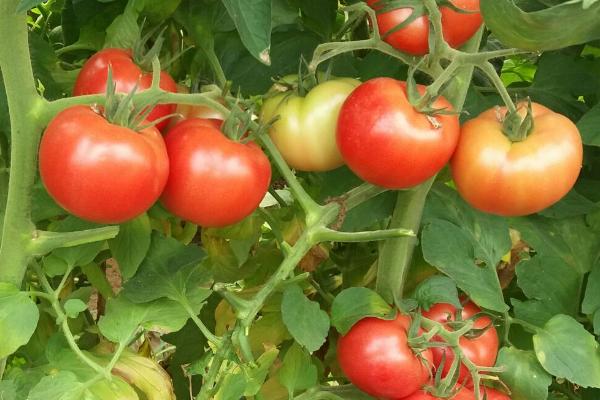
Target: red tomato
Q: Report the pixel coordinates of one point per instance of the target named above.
(414, 38)
(214, 181)
(125, 73)
(376, 358)
(481, 350)
(387, 142)
(500, 177)
(99, 171)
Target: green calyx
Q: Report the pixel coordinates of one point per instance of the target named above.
(143, 57)
(516, 127)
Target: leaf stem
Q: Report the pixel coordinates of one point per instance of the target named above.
(212, 339)
(488, 69)
(329, 235)
(44, 242)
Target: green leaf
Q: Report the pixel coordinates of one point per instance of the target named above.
(252, 19)
(130, 246)
(466, 245)
(591, 299)
(61, 386)
(354, 304)
(304, 319)
(74, 307)
(123, 318)
(523, 374)
(556, 27)
(97, 277)
(8, 390)
(25, 5)
(78, 255)
(124, 30)
(18, 319)
(437, 289)
(538, 279)
(233, 387)
(172, 270)
(569, 240)
(256, 376)
(54, 265)
(319, 16)
(588, 126)
(572, 205)
(298, 371)
(566, 350)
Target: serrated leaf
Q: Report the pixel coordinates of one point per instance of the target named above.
(569, 240)
(298, 371)
(466, 245)
(523, 374)
(566, 350)
(131, 245)
(74, 307)
(538, 279)
(18, 319)
(124, 31)
(556, 27)
(252, 19)
(123, 318)
(304, 319)
(354, 304)
(437, 289)
(170, 269)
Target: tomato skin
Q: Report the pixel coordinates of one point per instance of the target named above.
(376, 358)
(462, 394)
(101, 172)
(385, 141)
(414, 38)
(214, 181)
(305, 131)
(125, 74)
(513, 179)
(482, 350)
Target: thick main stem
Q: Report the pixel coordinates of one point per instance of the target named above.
(25, 107)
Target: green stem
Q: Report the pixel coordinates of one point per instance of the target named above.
(64, 324)
(25, 108)
(329, 235)
(488, 69)
(212, 339)
(208, 384)
(528, 326)
(215, 65)
(310, 207)
(360, 194)
(2, 367)
(396, 254)
(44, 242)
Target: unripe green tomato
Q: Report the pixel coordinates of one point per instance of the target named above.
(305, 132)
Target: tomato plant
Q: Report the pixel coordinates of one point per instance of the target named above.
(213, 181)
(263, 245)
(387, 142)
(458, 25)
(126, 75)
(304, 131)
(497, 176)
(376, 357)
(99, 171)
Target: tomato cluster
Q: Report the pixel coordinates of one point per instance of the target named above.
(376, 356)
(107, 173)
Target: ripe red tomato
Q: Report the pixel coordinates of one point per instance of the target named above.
(125, 74)
(414, 37)
(187, 111)
(387, 142)
(99, 171)
(481, 350)
(376, 358)
(500, 177)
(214, 181)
